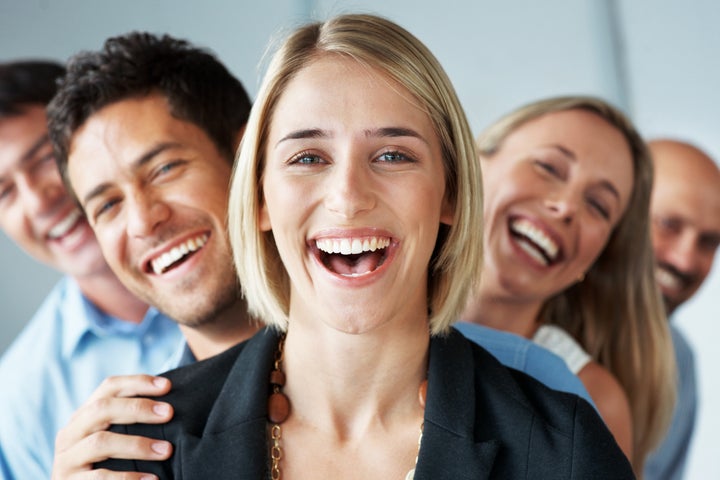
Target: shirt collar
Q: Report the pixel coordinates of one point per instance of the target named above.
(83, 318)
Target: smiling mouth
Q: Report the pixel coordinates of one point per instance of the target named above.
(65, 225)
(353, 257)
(535, 242)
(178, 254)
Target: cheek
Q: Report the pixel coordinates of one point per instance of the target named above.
(109, 239)
(593, 243)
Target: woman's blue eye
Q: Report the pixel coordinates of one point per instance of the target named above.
(394, 157)
(308, 159)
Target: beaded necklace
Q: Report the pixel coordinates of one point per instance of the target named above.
(279, 410)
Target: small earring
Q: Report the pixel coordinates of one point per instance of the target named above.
(581, 277)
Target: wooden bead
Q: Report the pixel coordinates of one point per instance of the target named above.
(422, 393)
(277, 377)
(278, 407)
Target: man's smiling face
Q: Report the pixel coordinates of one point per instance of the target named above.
(154, 189)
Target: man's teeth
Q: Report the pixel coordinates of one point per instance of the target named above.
(667, 280)
(350, 246)
(160, 264)
(537, 236)
(65, 224)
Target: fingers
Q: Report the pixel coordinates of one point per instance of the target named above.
(99, 414)
(131, 386)
(76, 461)
(85, 441)
(106, 475)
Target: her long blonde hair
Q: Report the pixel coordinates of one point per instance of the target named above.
(616, 313)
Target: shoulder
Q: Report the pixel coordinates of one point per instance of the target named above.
(208, 398)
(562, 344)
(611, 400)
(683, 350)
(37, 348)
(541, 433)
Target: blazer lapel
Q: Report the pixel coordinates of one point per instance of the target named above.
(239, 453)
(234, 442)
(451, 447)
(446, 455)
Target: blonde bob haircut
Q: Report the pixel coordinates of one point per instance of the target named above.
(616, 312)
(385, 47)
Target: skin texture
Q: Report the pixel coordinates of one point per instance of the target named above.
(40, 216)
(33, 200)
(569, 175)
(149, 182)
(143, 178)
(350, 155)
(685, 212)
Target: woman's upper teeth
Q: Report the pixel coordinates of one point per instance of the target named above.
(349, 246)
(537, 236)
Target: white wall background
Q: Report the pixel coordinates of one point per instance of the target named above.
(657, 59)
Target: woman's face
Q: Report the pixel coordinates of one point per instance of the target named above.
(354, 194)
(554, 192)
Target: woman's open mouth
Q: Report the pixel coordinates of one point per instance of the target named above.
(354, 256)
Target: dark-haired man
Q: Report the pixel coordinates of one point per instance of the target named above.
(685, 213)
(90, 326)
(145, 132)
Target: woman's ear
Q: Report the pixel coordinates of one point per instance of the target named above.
(264, 216)
(264, 220)
(447, 212)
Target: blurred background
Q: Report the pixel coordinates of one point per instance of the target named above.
(658, 60)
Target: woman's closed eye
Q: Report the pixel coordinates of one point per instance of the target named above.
(599, 207)
(549, 168)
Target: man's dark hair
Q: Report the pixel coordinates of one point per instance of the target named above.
(27, 82)
(198, 88)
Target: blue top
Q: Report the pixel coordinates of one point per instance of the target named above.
(668, 461)
(61, 356)
(523, 354)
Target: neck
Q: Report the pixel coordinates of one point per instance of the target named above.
(225, 330)
(503, 313)
(111, 297)
(347, 383)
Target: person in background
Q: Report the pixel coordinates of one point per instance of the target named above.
(148, 125)
(352, 209)
(90, 326)
(569, 260)
(685, 216)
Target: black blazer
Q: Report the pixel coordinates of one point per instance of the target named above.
(482, 420)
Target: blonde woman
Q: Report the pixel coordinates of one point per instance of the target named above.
(569, 260)
(352, 213)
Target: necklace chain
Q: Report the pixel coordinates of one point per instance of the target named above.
(279, 409)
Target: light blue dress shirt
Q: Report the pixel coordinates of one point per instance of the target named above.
(523, 354)
(668, 461)
(61, 356)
